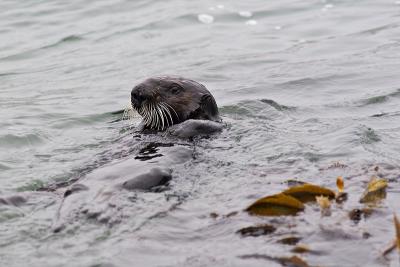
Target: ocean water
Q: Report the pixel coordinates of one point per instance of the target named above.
(301, 87)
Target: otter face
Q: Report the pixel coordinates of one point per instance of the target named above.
(164, 101)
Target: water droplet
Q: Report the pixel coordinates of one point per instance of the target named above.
(205, 18)
(220, 6)
(278, 27)
(246, 14)
(328, 6)
(251, 22)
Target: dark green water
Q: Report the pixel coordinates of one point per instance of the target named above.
(327, 73)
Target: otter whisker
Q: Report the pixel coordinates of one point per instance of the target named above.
(164, 117)
(164, 114)
(140, 111)
(169, 106)
(155, 115)
(161, 116)
(147, 115)
(150, 114)
(168, 112)
(144, 113)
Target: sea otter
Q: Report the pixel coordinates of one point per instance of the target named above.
(172, 105)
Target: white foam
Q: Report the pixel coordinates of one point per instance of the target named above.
(246, 14)
(205, 18)
(251, 22)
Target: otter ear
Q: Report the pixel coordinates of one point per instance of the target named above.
(209, 105)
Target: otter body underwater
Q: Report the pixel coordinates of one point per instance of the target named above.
(171, 108)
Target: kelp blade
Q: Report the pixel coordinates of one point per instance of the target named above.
(340, 184)
(308, 192)
(376, 190)
(276, 205)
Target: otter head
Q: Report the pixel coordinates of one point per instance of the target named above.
(164, 101)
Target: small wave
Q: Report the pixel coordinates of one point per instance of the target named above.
(379, 29)
(33, 52)
(304, 82)
(110, 117)
(386, 114)
(380, 98)
(148, 27)
(67, 39)
(262, 109)
(11, 140)
(31, 186)
(4, 167)
(275, 105)
(71, 38)
(87, 119)
(9, 74)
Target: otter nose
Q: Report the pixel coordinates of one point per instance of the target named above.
(136, 97)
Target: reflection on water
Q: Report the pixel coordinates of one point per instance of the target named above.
(301, 85)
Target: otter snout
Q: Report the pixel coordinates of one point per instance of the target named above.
(137, 97)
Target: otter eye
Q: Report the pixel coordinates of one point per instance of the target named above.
(175, 89)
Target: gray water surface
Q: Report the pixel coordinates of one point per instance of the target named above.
(300, 85)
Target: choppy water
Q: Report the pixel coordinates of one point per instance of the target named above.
(300, 84)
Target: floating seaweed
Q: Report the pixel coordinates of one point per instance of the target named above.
(292, 261)
(325, 205)
(258, 230)
(341, 196)
(396, 242)
(357, 214)
(340, 184)
(303, 248)
(276, 205)
(376, 190)
(397, 227)
(290, 201)
(308, 192)
(290, 240)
